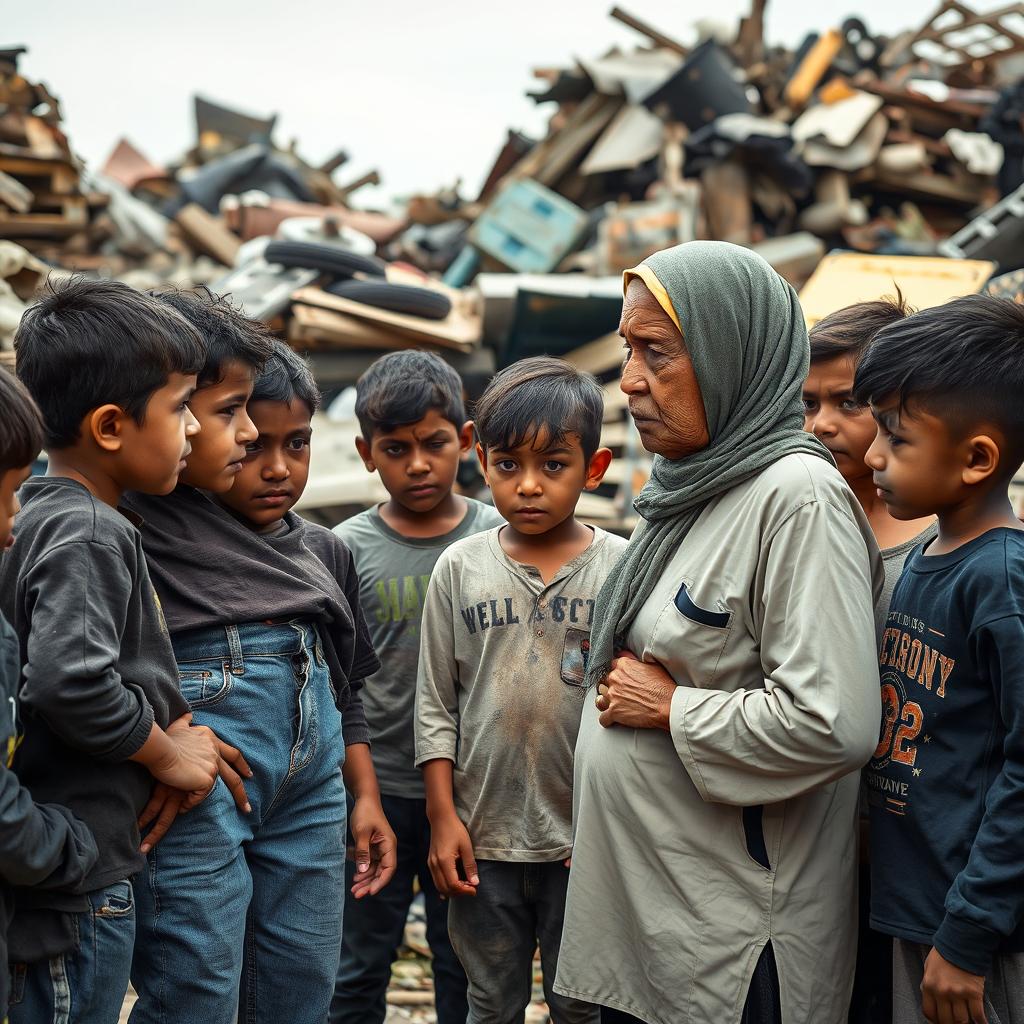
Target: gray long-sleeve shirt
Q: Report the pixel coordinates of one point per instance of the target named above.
(97, 665)
(500, 689)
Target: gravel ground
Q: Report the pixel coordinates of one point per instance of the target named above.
(411, 993)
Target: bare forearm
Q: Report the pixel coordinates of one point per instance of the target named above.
(437, 779)
(358, 772)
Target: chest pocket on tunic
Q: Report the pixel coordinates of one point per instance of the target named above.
(691, 636)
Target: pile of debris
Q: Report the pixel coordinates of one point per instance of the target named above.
(42, 199)
(906, 151)
(884, 145)
(135, 219)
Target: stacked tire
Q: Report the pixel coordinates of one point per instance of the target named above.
(370, 286)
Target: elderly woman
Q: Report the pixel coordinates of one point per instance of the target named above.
(734, 676)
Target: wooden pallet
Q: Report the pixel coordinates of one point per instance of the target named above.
(59, 217)
(38, 173)
(57, 209)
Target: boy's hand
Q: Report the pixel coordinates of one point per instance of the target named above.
(950, 995)
(375, 847)
(450, 844)
(192, 760)
(232, 767)
(164, 806)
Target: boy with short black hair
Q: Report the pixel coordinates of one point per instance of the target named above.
(236, 350)
(845, 427)
(112, 371)
(42, 846)
(413, 433)
(503, 652)
(264, 619)
(946, 782)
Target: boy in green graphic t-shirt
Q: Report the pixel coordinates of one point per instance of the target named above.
(414, 432)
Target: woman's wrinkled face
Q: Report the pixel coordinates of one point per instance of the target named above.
(659, 379)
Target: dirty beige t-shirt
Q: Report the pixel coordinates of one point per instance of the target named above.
(500, 689)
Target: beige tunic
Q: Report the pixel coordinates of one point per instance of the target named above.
(764, 619)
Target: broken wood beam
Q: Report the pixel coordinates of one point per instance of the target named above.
(656, 37)
(370, 178)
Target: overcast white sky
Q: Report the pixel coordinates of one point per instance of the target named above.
(424, 92)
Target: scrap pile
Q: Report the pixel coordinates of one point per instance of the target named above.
(906, 152)
(883, 145)
(182, 223)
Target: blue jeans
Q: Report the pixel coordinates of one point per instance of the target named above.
(517, 907)
(89, 985)
(241, 913)
(374, 927)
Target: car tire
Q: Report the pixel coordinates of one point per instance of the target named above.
(398, 298)
(328, 259)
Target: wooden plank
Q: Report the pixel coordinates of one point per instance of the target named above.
(41, 140)
(45, 225)
(842, 279)
(656, 37)
(14, 194)
(573, 142)
(458, 330)
(925, 184)
(208, 234)
(323, 328)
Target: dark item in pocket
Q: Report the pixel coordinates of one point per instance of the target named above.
(686, 606)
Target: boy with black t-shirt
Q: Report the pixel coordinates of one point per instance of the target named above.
(241, 913)
(946, 781)
(42, 846)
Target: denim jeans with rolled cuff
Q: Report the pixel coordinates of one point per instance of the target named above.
(87, 986)
(241, 913)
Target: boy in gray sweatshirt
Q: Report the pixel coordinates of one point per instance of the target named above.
(112, 372)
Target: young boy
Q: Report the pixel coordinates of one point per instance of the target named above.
(42, 846)
(846, 429)
(112, 371)
(271, 652)
(414, 431)
(946, 782)
(504, 644)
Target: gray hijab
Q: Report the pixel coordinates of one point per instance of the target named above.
(745, 334)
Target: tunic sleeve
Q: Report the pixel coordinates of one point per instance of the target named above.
(813, 715)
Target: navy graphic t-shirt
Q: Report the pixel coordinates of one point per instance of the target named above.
(946, 782)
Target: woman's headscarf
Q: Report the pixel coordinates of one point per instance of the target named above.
(745, 334)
